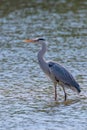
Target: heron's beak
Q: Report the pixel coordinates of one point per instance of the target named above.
(30, 40)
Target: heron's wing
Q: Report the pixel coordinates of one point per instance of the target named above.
(62, 75)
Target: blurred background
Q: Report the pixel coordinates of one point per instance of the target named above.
(26, 94)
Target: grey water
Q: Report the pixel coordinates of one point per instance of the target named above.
(26, 93)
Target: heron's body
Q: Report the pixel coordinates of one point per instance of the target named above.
(57, 73)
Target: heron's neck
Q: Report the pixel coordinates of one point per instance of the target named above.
(41, 53)
(43, 64)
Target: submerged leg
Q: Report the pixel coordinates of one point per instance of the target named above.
(55, 92)
(64, 93)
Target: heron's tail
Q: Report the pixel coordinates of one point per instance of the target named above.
(76, 87)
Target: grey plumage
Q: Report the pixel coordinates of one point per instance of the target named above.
(55, 71)
(63, 75)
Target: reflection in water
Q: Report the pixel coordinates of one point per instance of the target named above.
(26, 96)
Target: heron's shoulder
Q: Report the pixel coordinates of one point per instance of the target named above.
(52, 64)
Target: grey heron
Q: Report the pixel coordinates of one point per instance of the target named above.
(57, 73)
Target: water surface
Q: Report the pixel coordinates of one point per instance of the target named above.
(26, 94)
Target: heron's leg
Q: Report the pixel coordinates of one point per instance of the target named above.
(55, 91)
(64, 93)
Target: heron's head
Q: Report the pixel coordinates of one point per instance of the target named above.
(36, 40)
